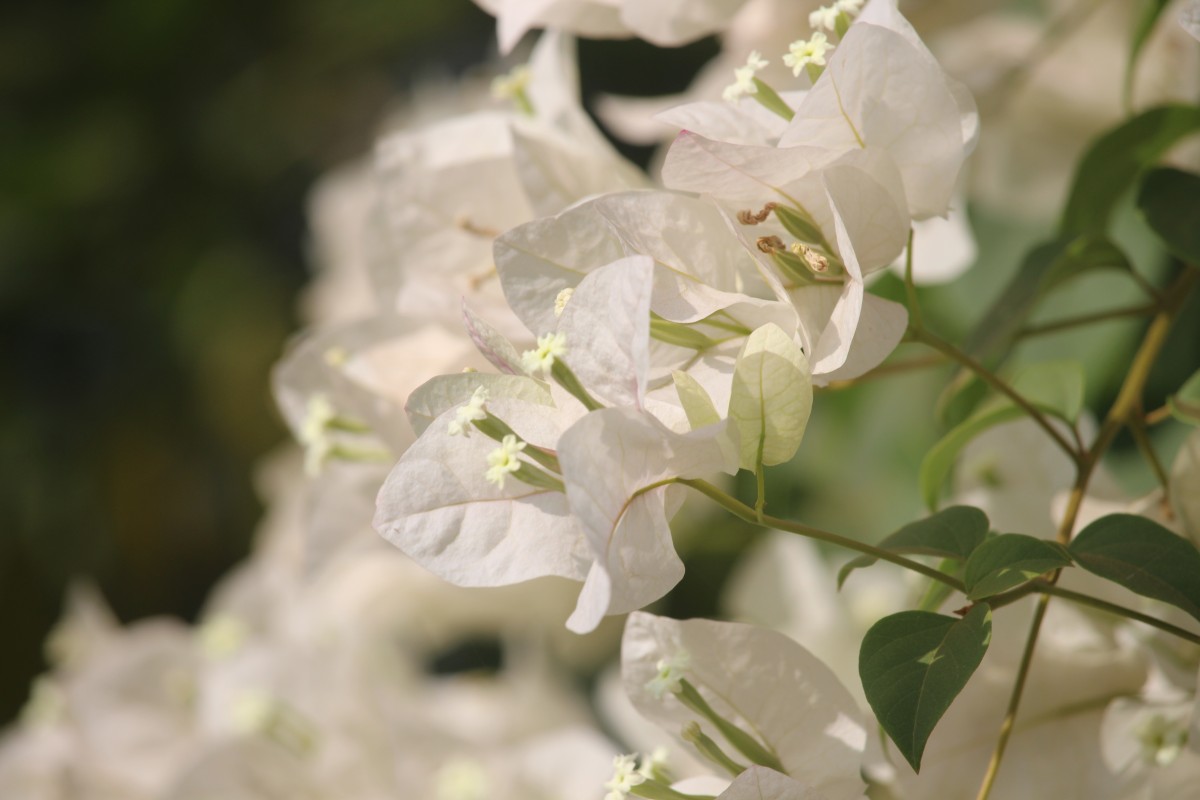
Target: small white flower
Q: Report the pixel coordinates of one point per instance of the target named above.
(473, 410)
(825, 17)
(1161, 740)
(670, 672)
(462, 779)
(801, 53)
(511, 85)
(849, 7)
(625, 777)
(223, 635)
(318, 414)
(655, 762)
(252, 712)
(744, 78)
(551, 346)
(561, 300)
(314, 433)
(503, 460)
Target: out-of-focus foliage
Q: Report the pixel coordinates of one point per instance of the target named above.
(155, 159)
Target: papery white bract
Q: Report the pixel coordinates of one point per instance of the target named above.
(760, 680)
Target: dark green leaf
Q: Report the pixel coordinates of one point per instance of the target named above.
(1168, 202)
(913, 664)
(1142, 556)
(1151, 10)
(950, 533)
(1113, 162)
(1008, 560)
(1185, 404)
(1055, 387)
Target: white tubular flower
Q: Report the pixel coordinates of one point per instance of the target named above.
(743, 83)
(802, 52)
(473, 410)
(825, 17)
(551, 346)
(625, 777)
(503, 460)
(670, 672)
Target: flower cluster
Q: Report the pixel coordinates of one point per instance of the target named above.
(525, 353)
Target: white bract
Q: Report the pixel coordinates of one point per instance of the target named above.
(1189, 19)
(762, 682)
(603, 519)
(667, 24)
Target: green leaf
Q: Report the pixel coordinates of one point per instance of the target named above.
(913, 664)
(1054, 387)
(1151, 10)
(1113, 162)
(1168, 203)
(771, 397)
(1006, 561)
(1142, 556)
(1185, 404)
(953, 532)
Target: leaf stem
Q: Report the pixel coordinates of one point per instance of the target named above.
(1047, 588)
(748, 514)
(884, 370)
(1087, 319)
(991, 379)
(1137, 427)
(910, 288)
(1014, 700)
(1158, 415)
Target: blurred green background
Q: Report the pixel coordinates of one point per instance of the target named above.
(155, 157)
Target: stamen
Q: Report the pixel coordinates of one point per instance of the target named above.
(748, 217)
(769, 244)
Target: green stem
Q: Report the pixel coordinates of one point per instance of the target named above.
(1113, 608)
(748, 514)
(910, 288)
(1048, 588)
(1137, 427)
(1087, 319)
(1014, 700)
(991, 379)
